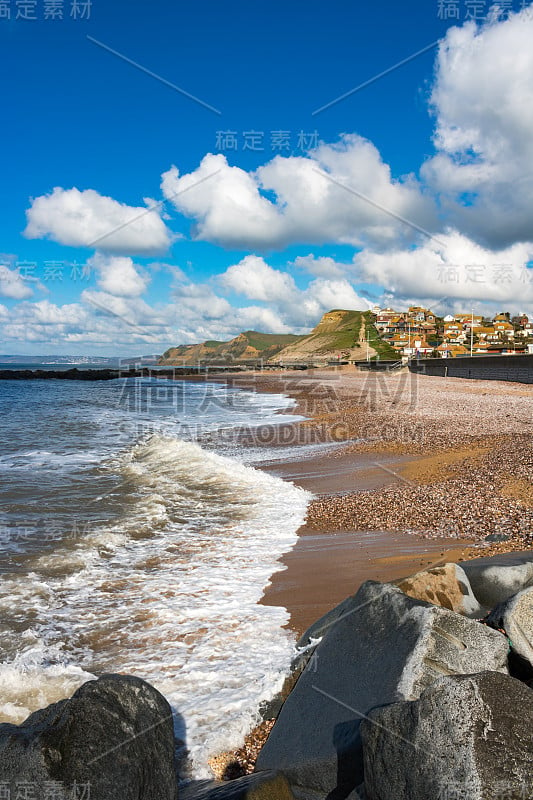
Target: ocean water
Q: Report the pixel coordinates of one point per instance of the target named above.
(137, 537)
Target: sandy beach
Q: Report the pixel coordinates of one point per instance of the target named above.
(425, 469)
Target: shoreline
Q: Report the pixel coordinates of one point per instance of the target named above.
(428, 488)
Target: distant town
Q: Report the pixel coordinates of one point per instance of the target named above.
(419, 332)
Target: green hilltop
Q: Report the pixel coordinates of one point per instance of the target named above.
(339, 334)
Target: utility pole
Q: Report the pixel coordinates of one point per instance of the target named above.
(472, 336)
(367, 346)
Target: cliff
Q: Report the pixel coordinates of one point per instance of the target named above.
(247, 346)
(339, 334)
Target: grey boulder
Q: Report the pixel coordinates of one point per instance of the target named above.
(113, 738)
(468, 737)
(515, 616)
(493, 583)
(383, 648)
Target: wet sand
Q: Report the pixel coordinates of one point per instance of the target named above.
(339, 472)
(327, 566)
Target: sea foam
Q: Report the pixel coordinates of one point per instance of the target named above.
(168, 592)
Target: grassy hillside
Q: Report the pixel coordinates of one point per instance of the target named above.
(247, 346)
(382, 348)
(338, 333)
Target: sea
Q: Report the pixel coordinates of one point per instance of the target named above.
(137, 535)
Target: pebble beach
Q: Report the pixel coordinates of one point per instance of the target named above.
(469, 474)
(440, 467)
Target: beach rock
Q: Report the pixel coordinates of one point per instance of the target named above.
(390, 647)
(468, 737)
(446, 586)
(113, 738)
(317, 630)
(306, 647)
(493, 584)
(259, 786)
(515, 616)
(496, 537)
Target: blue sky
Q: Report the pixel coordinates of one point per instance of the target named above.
(138, 217)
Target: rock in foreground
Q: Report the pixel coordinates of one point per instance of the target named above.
(446, 586)
(468, 737)
(388, 647)
(493, 583)
(515, 616)
(113, 738)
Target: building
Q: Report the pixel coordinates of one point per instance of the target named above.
(447, 350)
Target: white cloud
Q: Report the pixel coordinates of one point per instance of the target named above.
(234, 208)
(118, 275)
(254, 278)
(88, 219)
(455, 268)
(483, 102)
(324, 266)
(295, 308)
(12, 284)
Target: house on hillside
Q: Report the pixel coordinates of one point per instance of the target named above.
(505, 329)
(484, 332)
(477, 322)
(447, 350)
(384, 318)
(526, 331)
(453, 333)
(419, 347)
(419, 314)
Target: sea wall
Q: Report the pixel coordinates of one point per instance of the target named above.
(487, 368)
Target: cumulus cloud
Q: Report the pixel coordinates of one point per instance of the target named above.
(295, 308)
(455, 268)
(118, 275)
(12, 284)
(254, 278)
(323, 266)
(483, 102)
(88, 219)
(340, 192)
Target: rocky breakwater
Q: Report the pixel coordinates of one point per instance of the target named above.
(415, 692)
(418, 690)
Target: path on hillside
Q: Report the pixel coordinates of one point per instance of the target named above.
(362, 341)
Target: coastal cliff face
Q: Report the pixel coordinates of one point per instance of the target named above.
(339, 334)
(247, 346)
(391, 698)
